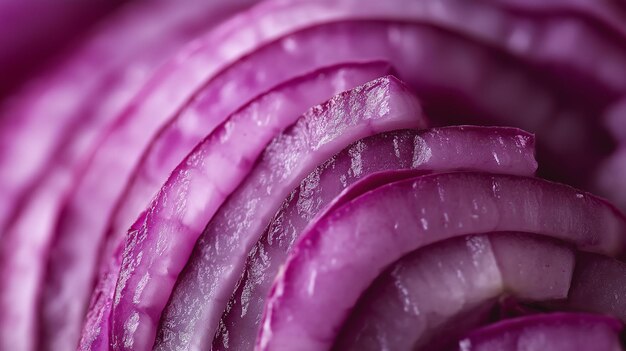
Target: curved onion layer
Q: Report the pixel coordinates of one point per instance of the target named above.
(231, 91)
(300, 52)
(342, 254)
(548, 332)
(501, 150)
(69, 107)
(104, 179)
(478, 21)
(431, 290)
(290, 99)
(67, 111)
(497, 61)
(96, 173)
(539, 43)
(213, 171)
(534, 108)
(96, 327)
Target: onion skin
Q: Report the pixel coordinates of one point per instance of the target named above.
(381, 226)
(548, 332)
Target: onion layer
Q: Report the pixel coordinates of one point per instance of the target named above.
(343, 253)
(501, 150)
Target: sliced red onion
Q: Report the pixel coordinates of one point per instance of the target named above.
(598, 286)
(548, 332)
(342, 254)
(98, 82)
(316, 14)
(198, 58)
(96, 327)
(408, 306)
(502, 150)
(227, 93)
(297, 93)
(92, 194)
(214, 170)
(300, 55)
(69, 107)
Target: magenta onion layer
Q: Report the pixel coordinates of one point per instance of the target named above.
(343, 253)
(425, 299)
(67, 111)
(200, 183)
(501, 150)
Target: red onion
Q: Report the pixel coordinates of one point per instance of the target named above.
(342, 253)
(358, 221)
(81, 111)
(427, 294)
(445, 149)
(229, 151)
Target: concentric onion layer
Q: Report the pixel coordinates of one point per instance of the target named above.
(359, 168)
(341, 254)
(399, 240)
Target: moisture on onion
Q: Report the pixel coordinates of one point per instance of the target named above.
(313, 175)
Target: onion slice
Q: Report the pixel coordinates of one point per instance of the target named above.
(342, 254)
(479, 72)
(308, 15)
(503, 150)
(70, 106)
(296, 94)
(67, 111)
(228, 92)
(216, 168)
(96, 327)
(427, 293)
(547, 332)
